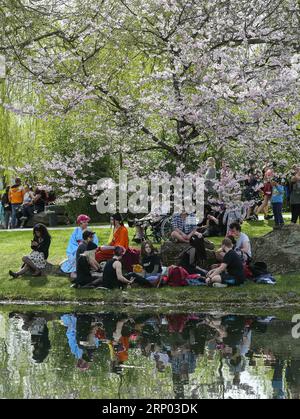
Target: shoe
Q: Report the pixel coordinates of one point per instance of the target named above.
(218, 285)
(269, 217)
(13, 274)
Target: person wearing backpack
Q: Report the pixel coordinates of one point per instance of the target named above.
(295, 196)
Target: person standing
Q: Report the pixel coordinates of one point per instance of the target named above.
(277, 202)
(210, 176)
(6, 207)
(295, 196)
(16, 197)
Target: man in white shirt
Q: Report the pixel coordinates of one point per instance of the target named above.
(243, 244)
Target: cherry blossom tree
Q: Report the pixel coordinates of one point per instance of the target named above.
(162, 83)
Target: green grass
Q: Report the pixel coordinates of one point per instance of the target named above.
(13, 245)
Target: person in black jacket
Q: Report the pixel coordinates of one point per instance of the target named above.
(37, 260)
(6, 207)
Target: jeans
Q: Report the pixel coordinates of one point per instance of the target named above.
(295, 212)
(277, 210)
(14, 210)
(7, 215)
(138, 279)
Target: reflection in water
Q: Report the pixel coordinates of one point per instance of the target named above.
(109, 355)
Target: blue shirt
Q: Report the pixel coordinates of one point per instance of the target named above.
(277, 194)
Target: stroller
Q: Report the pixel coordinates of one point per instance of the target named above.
(154, 228)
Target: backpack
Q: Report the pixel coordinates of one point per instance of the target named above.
(258, 268)
(177, 276)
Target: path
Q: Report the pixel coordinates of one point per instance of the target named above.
(261, 218)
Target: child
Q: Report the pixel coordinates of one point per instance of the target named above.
(277, 202)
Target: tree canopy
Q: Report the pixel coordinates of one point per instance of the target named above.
(163, 82)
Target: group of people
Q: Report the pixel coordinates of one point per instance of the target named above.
(116, 265)
(19, 203)
(261, 189)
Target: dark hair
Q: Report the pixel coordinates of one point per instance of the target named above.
(120, 251)
(41, 228)
(118, 217)
(235, 226)
(143, 251)
(87, 234)
(199, 245)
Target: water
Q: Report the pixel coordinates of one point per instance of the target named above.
(106, 355)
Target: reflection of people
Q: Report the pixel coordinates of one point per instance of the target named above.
(70, 322)
(278, 380)
(36, 325)
(69, 265)
(120, 238)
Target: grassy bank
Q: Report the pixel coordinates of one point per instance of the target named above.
(14, 245)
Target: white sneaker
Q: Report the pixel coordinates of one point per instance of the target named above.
(218, 285)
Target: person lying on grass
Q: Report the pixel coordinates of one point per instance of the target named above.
(37, 260)
(230, 272)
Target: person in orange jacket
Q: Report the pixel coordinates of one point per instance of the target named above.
(16, 197)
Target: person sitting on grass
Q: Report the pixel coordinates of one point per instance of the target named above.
(243, 244)
(86, 265)
(68, 266)
(184, 225)
(37, 260)
(88, 237)
(113, 277)
(230, 272)
(151, 262)
(120, 238)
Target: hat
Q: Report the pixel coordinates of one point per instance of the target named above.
(82, 218)
(91, 246)
(87, 234)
